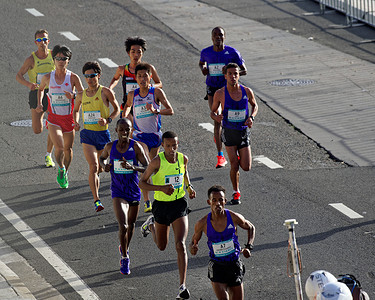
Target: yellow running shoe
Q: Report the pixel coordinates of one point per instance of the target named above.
(148, 206)
(49, 161)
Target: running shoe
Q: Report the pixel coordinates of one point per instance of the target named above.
(62, 178)
(148, 206)
(49, 162)
(236, 199)
(145, 230)
(221, 162)
(124, 265)
(98, 206)
(183, 293)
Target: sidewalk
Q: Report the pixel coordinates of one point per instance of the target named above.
(328, 95)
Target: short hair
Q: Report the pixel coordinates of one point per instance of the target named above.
(217, 27)
(123, 121)
(40, 31)
(229, 66)
(94, 65)
(135, 40)
(143, 66)
(215, 188)
(168, 135)
(63, 50)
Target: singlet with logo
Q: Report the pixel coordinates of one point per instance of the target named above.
(144, 120)
(123, 179)
(224, 246)
(235, 113)
(216, 61)
(58, 103)
(128, 82)
(41, 68)
(92, 109)
(170, 174)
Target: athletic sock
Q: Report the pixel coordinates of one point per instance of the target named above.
(221, 153)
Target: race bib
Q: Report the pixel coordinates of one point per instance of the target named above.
(118, 169)
(59, 99)
(131, 86)
(91, 117)
(216, 69)
(175, 180)
(223, 248)
(39, 77)
(237, 115)
(141, 111)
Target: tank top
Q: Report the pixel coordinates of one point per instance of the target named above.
(128, 82)
(235, 113)
(121, 178)
(144, 120)
(58, 103)
(41, 68)
(92, 109)
(170, 174)
(224, 246)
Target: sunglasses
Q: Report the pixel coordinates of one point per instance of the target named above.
(90, 75)
(58, 58)
(42, 40)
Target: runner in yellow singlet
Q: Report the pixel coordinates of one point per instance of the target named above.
(39, 63)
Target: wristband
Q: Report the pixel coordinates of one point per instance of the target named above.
(109, 120)
(189, 186)
(252, 118)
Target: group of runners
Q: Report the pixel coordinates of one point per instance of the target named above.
(55, 89)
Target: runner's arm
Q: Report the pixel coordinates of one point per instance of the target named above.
(254, 107)
(217, 101)
(162, 98)
(141, 157)
(104, 156)
(198, 230)
(43, 83)
(190, 188)
(128, 104)
(27, 65)
(155, 77)
(116, 77)
(110, 96)
(243, 69)
(239, 220)
(153, 167)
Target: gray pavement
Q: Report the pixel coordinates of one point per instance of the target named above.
(326, 94)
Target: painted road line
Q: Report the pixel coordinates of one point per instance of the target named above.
(346, 210)
(51, 257)
(207, 126)
(69, 35)
(266, 161)
(34, 12)
(108, 62)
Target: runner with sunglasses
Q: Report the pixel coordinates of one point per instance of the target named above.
(96, 117)
(62, 83)
(38, 64)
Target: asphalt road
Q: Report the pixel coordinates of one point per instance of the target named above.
(309, 180)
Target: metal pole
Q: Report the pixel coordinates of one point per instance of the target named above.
(296, 272)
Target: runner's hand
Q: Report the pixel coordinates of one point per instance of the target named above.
(34, 86)
(168, 189)
(77, 127)
(192, 193)
(194, 248)
(107, 167)
(102, 122)
(39, 108)
(246, 252)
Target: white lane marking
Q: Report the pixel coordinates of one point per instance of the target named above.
(34, 12)
(207, 126)
(346, 210)
(69, 35)
(108, 62)
(266, 161)
(52, 258)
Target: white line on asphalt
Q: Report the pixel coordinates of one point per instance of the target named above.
(34, 12)
(69, 35)
(108, 62)
(52, 258)
(207, 126)
(346, 210)
(266, 161)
